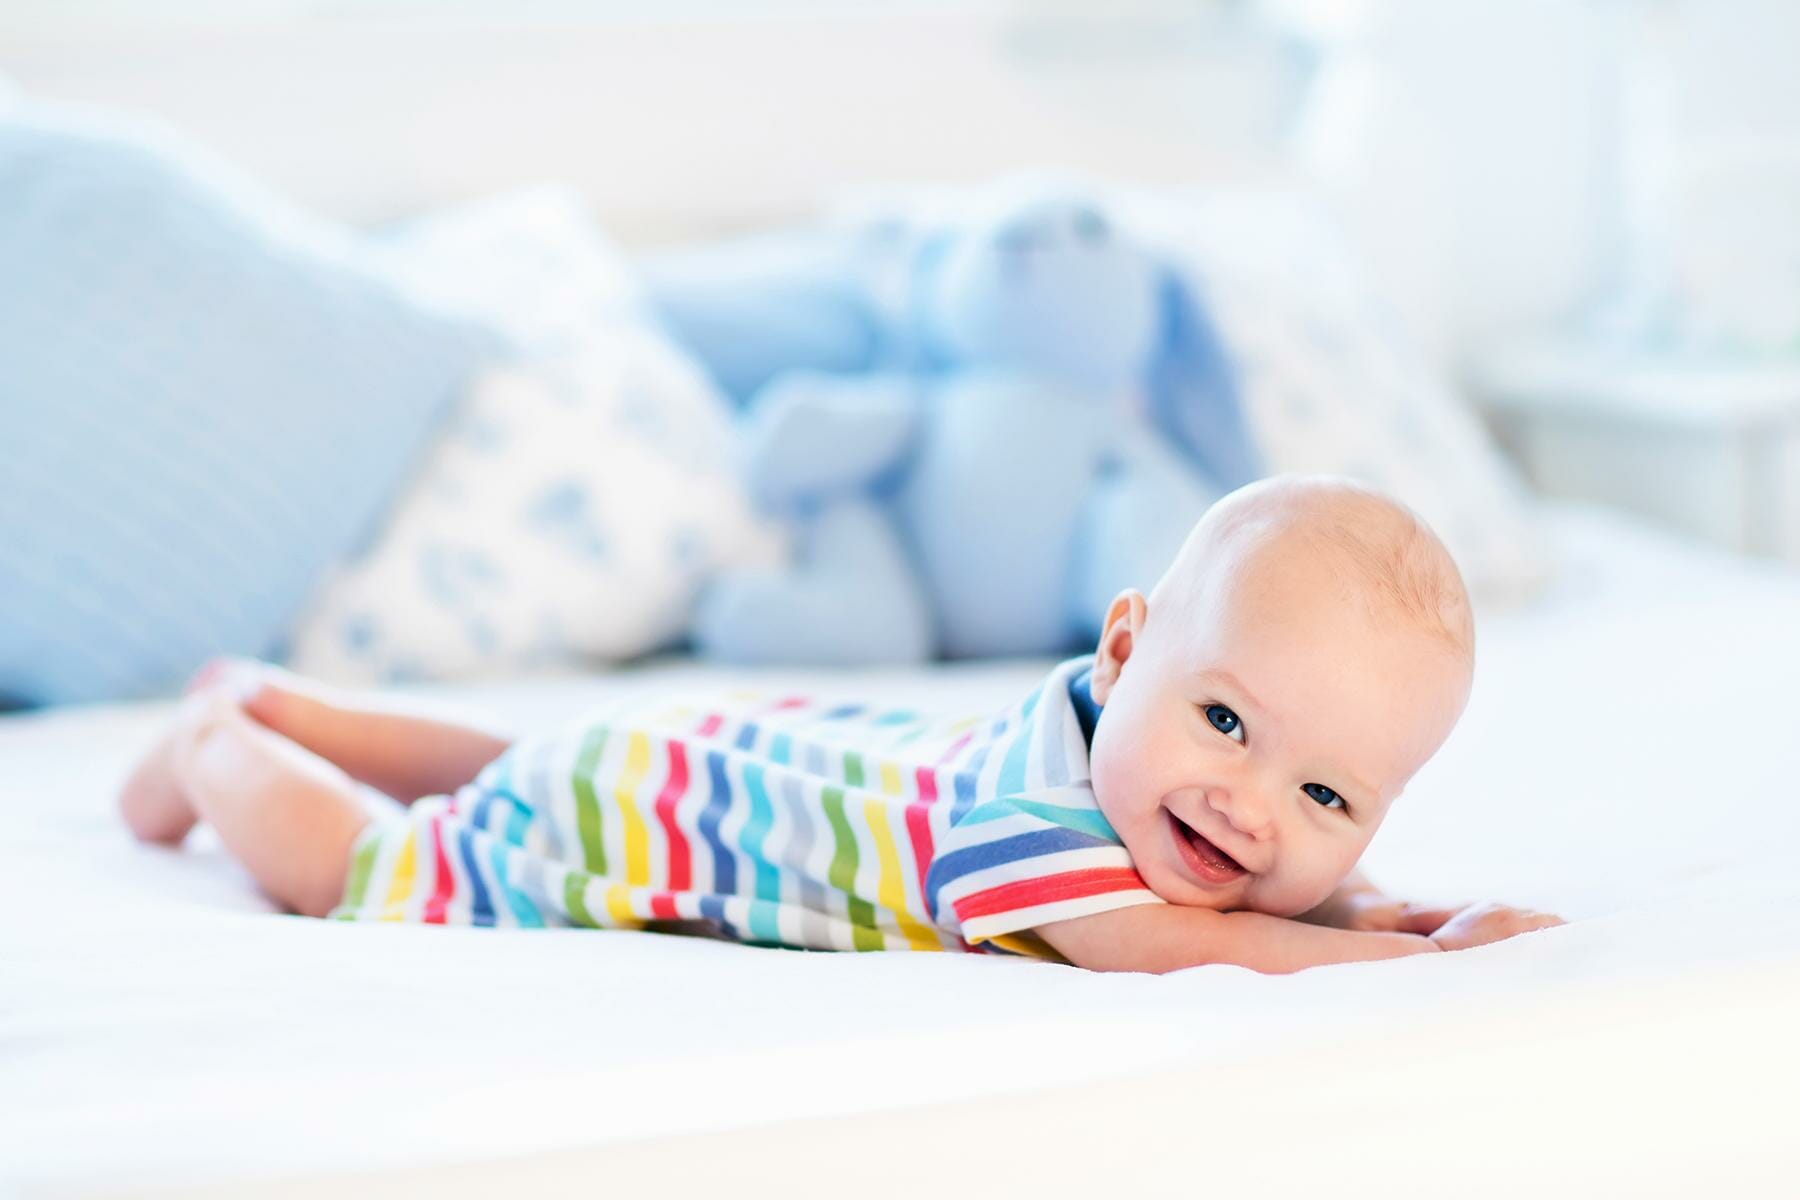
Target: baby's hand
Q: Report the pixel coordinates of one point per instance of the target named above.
(1479, 924)
(1372, 912)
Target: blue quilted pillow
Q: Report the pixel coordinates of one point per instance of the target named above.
(205, 399)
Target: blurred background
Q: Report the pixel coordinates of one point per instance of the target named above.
(1571, 223)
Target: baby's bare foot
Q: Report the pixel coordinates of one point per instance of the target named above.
(313, 714)
(152, 800)
(289, 704)
(241, 677)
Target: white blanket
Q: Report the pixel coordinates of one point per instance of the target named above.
(1628, 759)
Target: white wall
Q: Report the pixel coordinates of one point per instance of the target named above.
(1468, 141)
(673, 124)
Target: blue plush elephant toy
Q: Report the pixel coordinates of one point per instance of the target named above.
(981, 431)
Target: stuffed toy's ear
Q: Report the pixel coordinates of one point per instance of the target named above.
(1193, 394)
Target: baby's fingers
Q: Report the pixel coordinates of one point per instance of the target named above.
(1419, 918)
(1481, 924)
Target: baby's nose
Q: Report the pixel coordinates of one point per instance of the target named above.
(1247, 814)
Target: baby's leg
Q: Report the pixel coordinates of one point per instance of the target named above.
(288, 815)
(404, 755)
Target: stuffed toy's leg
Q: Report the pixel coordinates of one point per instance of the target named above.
(853, 599)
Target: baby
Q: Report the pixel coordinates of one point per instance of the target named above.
(1199, 790)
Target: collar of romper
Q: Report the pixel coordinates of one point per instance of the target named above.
(1081, 694)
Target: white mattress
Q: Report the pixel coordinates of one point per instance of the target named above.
(1628, 759)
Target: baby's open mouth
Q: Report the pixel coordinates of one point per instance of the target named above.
(1203, 858)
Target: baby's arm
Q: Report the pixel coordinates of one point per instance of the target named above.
(1168, 937)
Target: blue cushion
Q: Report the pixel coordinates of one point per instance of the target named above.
(205, 400)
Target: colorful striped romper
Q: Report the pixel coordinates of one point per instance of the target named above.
(775, 821)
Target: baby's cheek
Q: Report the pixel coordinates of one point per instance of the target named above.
(1306, 884)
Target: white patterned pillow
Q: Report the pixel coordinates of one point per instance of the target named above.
(1331, 382)
(576, 501)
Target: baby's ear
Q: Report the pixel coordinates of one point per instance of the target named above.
(1118, 638)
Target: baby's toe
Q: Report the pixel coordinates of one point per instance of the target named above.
(151, 799)
(241, 676)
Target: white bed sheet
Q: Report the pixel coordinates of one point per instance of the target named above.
(1628, 758)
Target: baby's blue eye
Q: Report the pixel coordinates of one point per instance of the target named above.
(1225, 721)
(1323, 795)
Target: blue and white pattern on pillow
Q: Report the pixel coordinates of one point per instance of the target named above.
(577, 499)
(206, 398)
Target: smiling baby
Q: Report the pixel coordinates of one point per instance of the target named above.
(1198, 790)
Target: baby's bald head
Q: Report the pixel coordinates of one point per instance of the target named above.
(1307, 652)
(1374, 550)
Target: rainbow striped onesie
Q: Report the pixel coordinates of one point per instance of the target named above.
(775, 821)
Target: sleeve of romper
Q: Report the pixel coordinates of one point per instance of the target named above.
(1010, 865)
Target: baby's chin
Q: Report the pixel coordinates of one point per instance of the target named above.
(1158, 859)
(1166, 880)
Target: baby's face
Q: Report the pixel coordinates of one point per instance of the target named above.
(1248, 752)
